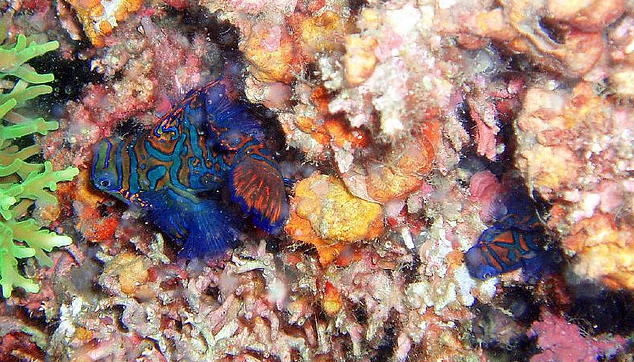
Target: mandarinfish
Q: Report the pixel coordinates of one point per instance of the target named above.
(208, 142)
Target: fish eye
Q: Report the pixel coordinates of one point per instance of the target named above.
(105, 181)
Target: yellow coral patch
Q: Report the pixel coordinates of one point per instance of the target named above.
(604, 250)
(324, 214)
(131, 271)
(544, 164)
(270, 51)
(360, 60)
(334, 213)
(83, 334)
(332, 302)
(323, 33)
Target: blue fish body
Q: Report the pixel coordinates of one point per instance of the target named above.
(209, 142)
(502, 248)
(515, 240)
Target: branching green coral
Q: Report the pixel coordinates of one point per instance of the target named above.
(21, 181)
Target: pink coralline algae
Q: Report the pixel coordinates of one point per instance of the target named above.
(562, 341)
(492, 104)
(486, 189)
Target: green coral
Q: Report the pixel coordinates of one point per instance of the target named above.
(22, 181)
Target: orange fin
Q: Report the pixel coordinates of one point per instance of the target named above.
(257, 185)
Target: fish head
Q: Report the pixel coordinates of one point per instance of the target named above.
(105, 175)
(478, 265)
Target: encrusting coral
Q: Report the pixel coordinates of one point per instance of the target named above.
(23, 182)
(99, 18)
(585, 175)
(326, 215)
(415, 119)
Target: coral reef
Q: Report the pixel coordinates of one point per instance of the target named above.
(583, 173)
(403, 130)
(563, 341)
(99, 18)
(24, 182)
(604, 250)
(562, 36)
(326, 215)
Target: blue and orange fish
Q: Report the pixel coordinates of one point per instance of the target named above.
(515, 240)
(208, 143)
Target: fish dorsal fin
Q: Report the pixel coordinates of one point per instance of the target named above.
(227, 113)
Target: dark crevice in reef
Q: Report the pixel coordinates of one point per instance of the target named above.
(521, 351)
(356, 6)
(521, 304)
(385, 349)
(501, 328)
(84, 277)
(193, 19)
(410, 270)
(360, 313)
(597, 310)
(275, 139)
(312, 73)
(129, 126)
(471, 160)
(553, 30)
(213, 291)
(118, 311)
(505, 118)
(70, 78)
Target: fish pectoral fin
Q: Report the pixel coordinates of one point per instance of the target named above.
(212, 230)
(204, 227)
(258, 187)
(166, 210)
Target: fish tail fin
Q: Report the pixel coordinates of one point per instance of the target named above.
(257, 185)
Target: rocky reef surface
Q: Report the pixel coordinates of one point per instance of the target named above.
(412, 135)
